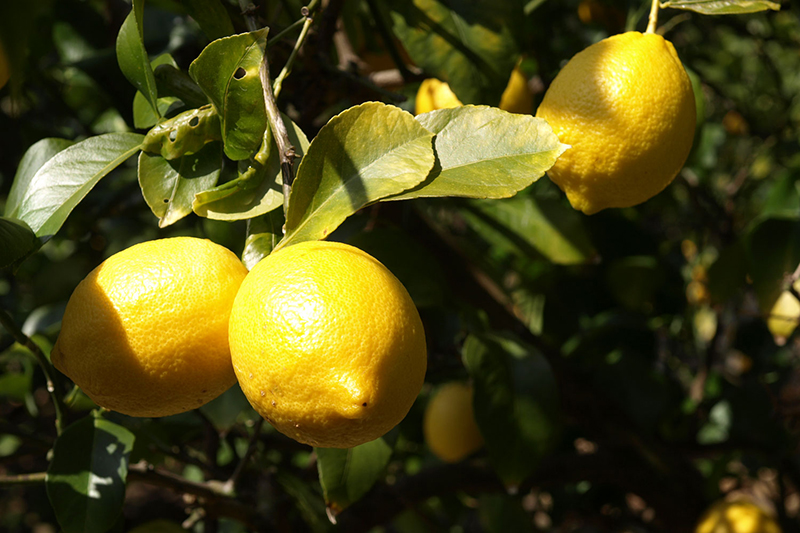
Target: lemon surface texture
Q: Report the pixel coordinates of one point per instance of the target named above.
(435, 94)
(327, 344)
(625, 106)
(449, 424)
(738, 516)
(146, 332)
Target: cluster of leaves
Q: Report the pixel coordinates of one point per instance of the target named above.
(623, 373)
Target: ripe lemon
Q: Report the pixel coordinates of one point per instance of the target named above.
(517, 97)
(626, 106)
(784, 316)
(435, 94)
(738, 516)
(449, 424)
(146, 332)
(327, 344)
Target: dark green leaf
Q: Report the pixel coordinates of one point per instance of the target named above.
(132, 57)
(143, 115)
(727, 275)
(173, 81)
(366, 153)
(16, 241)
(259, 187)
(550, 227)
(723, 7)
(515, 401)
(773, 252)
(36, 156)
(228, 72)
(211, 16)
(468, 43)
(347, 474)
(225, 409)
(169, 186)
(61, 183)
(184, 134)
(263, 234)
(485, 152)
(86, 478)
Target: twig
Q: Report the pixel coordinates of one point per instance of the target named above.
(249, 12)
(653, 20)
(287, 68)
(23, 479)
(299, 22)
(53, 386)
(230, 485)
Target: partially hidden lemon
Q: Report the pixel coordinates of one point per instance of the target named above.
(435, 94)
(784, 316)
(327, 344)
(146, 332)
(449, 423)
(517, 97)
(626, 107)
(737, 516)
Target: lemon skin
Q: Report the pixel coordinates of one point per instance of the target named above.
(449, 425)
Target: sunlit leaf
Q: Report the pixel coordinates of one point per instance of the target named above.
(347, 474)
(169, 186)
(61, 183)
(723, 7)
(228, 72)
(86, 478)
(366, 153)
(184, 134)
(36, 156)
(132, 56)
(484, 152)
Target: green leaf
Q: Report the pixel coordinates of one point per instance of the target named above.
(143, 114)
(86, 478)
(515, 402)
(773, 252)
(211, 15)
(225, 409)
(228, 72)
(259, 187)
(545, 225)
(468, 43)
(61, 183)
(36, 156)
(347, 474)
(17, 240)
(184, 134)
(366, 153)
(485, 152)
(169, 186)
(723, 7)
(16, 373)
(728, 274)
(263, 234)
(132, 56)
(172, 81)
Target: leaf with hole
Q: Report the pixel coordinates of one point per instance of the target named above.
(360, 156)
(132, 56)
(169, 186)
(228, 72)
(184, 134)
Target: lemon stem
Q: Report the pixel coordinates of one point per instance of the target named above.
(653, 20)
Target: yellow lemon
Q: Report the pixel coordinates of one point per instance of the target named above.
(435, 94)
(517, 97)
(784, 316)
(626, 107)
(146, 332)
(327, 344)
(738, 516)
(449, 424)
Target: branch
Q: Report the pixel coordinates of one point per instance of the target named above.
(53, 386)
(230, 485)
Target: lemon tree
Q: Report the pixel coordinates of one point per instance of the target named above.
(254, 252)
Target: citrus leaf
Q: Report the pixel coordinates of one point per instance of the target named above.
(728, 274)
(132, 56)
(470, 44)
(546, 225)
(259, 188)
(183, 134)
(471, 162)
(366, 153)
(515, 402)
(723, 7)
(228, 72)
(263, 234)
(172, 81)
(17, 240)
(36, 156)
(169, 186)
(61, 183)
(143, 114)
(347, 474)
(86, 478)
(211, 16)
(773, 252)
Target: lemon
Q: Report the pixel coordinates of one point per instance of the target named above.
(146, 332)
(449, 424)
(517, 98)
(738, 516)
(784, 316)
(435, 94)
(626, 106)
(327, 344)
